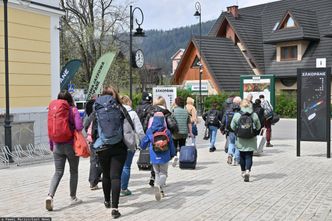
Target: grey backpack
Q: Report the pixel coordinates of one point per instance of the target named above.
(129, 137)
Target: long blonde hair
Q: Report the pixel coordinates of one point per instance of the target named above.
(160, 101)
(126, 100)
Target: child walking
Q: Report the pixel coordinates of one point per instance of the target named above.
(162, 150)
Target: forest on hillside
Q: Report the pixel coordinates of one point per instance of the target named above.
(159, 46)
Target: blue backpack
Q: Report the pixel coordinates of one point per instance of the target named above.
(110, 119)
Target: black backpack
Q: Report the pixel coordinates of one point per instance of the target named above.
(212, 118)
(228, 119)
(246, 128)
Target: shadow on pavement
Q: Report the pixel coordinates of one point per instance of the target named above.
(272, 176)
(259, 163)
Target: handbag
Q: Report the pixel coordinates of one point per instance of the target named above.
(81, 147)
(275, 118)
(194, 129)
(206, 134)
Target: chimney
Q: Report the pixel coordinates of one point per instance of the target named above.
(234, 10)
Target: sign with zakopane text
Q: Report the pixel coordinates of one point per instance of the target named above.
(313, 108)
(99, 74)
(169, 93)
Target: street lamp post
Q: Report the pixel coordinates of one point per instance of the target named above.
(139, 33)
(7, 126)
(198, 14)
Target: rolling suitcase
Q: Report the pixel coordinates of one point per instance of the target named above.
(143, 161)
(261, 140)
(188, 157)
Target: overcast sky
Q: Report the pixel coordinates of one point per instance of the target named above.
(168, 14)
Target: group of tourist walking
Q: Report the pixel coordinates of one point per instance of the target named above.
(114, 131)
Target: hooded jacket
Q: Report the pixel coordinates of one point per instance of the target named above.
(158, 125)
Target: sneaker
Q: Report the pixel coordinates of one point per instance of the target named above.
(212, 149)
(242, 173)
(235, 163)
(229, 159)
(74, 201)
(125, 192)
(269, 145)
(49, 203)
(107, 204)
(162, 192)
(151, 182)
(246, 176)
(95, 187)
(115, 213)
(157, 193)
(175, 161)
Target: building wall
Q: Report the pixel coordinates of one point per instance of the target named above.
(29, 56)
(33, 63)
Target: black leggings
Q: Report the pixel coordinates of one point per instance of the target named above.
(112, 165)
(179, 143)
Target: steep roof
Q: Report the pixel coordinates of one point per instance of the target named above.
(226, 67)
(307, 30)
(314, 18)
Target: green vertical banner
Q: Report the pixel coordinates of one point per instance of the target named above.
(99, 73)
(68, 72)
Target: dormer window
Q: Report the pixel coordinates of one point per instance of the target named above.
(288, 22)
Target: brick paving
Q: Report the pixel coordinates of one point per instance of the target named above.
(282, 187)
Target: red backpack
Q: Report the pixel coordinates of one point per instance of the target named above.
(160, 141)
(58, 121)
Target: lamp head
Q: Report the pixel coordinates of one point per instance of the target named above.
(139, 32)
(197, 14)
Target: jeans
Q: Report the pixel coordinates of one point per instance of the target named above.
(161, 173)
(62, 152)
(213, 134)
(126, 170)
(95, 168)
(246, 160)
(232, 150)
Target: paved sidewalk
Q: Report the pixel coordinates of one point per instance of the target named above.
(282, 187)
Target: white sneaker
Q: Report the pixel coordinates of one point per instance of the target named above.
(243, 173)
(175, 161)
(157, 193)
(49, 203)
(75, 201)
(246, 176)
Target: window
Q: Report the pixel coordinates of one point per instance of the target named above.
(288, 23)
(275, 26)
(288, 53)
(195, 63)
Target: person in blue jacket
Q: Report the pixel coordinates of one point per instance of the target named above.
(159, 159)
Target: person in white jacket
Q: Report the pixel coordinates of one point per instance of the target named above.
(127, 103)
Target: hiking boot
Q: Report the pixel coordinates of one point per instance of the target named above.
(157, 193)
(49, 203)
(269, 145)
(175, 161)
(107, 204)
(125, 192)
(229, 159)
(115, 213)
(74, 201)
(95, 187)
(246, 176)
(151, 182)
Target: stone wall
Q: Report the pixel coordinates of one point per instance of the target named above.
(27, 128)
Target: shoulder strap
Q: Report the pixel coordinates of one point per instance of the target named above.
(127, 116)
